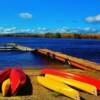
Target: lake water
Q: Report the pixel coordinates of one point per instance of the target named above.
(82, 48)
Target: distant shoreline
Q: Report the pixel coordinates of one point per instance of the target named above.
(54, 35)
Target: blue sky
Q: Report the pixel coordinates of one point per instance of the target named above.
(39, 16)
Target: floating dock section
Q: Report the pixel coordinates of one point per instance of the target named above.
(13, 46)
(77, 62)
(6, 48)
(23, 48)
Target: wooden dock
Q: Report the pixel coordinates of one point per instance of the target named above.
(23, 48)
(6, 48)
(73, 61)
(13, 46)
(77, 62)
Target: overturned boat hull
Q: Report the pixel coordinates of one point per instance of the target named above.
(79, 77)
(58, 87)
(18, 79)
(74, 83)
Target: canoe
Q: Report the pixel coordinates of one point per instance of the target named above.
(6, 85)
(5, 74)
(79, 77)
(18, 79)
(74, 83)
(58, 87)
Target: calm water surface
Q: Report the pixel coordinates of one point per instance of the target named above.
(82, 48)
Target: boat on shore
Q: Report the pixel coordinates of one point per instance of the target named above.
(6, 85)
(79, 77)
(5, 74)
(58, 87)
(74, 83)
(18, 79)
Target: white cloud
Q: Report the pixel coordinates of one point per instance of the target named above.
(24, 31)
(8, 30)
(15, 30)
(42, 30)
(87, 30)
(93, 19)
(63, 29)
(26, 15)
(77, 30)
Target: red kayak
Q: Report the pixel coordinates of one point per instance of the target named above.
(75, 76)
(18, 79)
(5, 74)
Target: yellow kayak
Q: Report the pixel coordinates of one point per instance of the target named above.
(77, 84)
(6, 86)
(58, 87)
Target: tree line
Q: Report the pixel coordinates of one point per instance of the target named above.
(55, 35)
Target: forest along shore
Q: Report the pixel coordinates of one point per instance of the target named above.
(55, 35)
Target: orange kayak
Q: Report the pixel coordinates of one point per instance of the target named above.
(18, 79)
